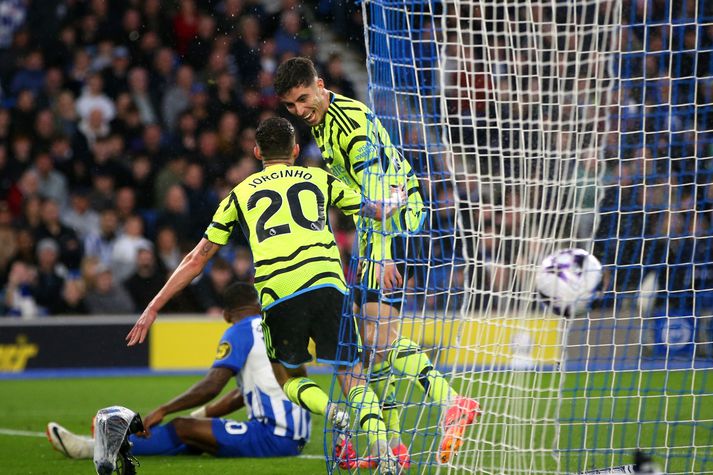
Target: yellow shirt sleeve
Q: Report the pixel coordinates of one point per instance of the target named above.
(224, 220)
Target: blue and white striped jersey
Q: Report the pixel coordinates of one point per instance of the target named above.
(242, 350)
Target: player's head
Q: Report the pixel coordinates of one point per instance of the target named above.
(301, 91)
(275, 138)
(239, 301)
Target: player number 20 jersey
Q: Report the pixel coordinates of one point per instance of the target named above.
(283, 212)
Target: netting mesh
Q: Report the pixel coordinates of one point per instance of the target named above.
(535, 126)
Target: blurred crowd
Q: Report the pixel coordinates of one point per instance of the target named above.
(122, 126)
(658, 189)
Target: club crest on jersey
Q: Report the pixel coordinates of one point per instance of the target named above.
(223, 350)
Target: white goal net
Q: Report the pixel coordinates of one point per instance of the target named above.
(536, 126)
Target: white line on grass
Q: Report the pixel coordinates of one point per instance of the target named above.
(21, 433)
(27, 433)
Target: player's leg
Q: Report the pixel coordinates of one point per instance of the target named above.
(195, 432)
(406, 358)
(286, 332)
(250, 439)
(68, 443)
(163, 441)
(337, 342)
(379, 325)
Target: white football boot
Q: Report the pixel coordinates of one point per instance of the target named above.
(72, 445)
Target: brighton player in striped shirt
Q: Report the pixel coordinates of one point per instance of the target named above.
(298, 275)
(275, 427)
(358, 150)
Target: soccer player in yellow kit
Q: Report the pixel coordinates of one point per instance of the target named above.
(358, 150)
(298, 275)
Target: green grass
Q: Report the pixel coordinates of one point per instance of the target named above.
(29, 404)
(674, 411)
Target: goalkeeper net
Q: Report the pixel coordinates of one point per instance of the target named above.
(535, 126)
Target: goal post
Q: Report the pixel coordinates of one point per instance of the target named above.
(534, 126)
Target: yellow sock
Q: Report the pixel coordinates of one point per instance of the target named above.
(407, 358)
(386, 391)
(306, 393)
(370, 417)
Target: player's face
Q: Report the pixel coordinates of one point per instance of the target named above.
(307, 102)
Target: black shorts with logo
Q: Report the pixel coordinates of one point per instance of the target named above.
(316, 314)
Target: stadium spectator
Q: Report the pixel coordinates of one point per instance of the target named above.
(175, 213)
(246, 49)
(12, 17)
(93, 98)
(185, 25)
(116, 73)
(125, 203)
(52, 184)
(50, 280)
(167, 249)
(72, 300)
(31, 76)
(147, 279)
(71, 248)
(177, 97)
(145, 102)
(100, 243)
(126, 248)
(242, 265)
(335, 78)
(107, 298)
(208, 291)
(18, 300)
(79, 216)
(8, 239)
(199, 47)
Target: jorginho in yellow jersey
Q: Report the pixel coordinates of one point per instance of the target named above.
(282, 211)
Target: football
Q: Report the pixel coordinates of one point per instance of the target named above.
(568, 280)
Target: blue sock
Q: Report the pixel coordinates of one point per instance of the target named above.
(163, 441)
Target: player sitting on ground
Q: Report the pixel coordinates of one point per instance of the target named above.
(282, 211)
(241, 353)
(358, 150)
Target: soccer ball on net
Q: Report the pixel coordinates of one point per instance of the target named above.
(568, 280)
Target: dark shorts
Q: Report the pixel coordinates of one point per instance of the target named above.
(316, 314)
(406, 254)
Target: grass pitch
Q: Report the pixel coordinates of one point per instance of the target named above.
(673, 412)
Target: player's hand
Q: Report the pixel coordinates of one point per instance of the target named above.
(154, 417)
(396, 200)
(390, 273)
(141, 328)
(398, 195)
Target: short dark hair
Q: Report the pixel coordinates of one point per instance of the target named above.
(294, 72)
(275, 138)
(239, 294)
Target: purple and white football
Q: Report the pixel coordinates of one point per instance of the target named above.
(568, 280)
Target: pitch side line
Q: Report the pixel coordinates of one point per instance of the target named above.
(21, 433)
(27, 433)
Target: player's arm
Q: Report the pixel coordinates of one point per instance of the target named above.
(363, 156)
(200, 393)
(189, 268)
(215, 237)
(351, 201)
(230, 402)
